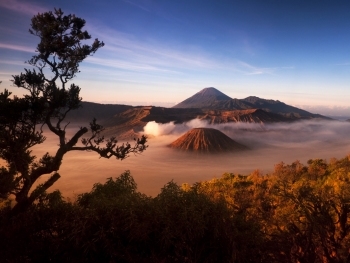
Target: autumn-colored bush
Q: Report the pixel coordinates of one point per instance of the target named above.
(298, 213)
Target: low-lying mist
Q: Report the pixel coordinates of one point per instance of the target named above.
(159, 164)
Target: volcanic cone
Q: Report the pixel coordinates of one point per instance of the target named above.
(206, 140)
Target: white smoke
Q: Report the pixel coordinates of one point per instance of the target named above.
(170, 128)
(197, 123)
(160, 129)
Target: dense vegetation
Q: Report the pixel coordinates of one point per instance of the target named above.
(298, 213)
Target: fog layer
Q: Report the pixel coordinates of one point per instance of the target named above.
(159, 164)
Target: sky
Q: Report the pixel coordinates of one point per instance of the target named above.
(160, 52)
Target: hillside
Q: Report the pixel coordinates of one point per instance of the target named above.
(127, 124)
(211, 98)
(208, 98)
(281, 108)
(90, 110)
(250, 115)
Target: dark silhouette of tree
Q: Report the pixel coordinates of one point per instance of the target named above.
(46, 102)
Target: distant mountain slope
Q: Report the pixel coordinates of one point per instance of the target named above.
(250, 115)
(206, 140)
(207, 97)
(127, 124)
(164, 115)
(142, 115)
(231, 104)
(90, 110)
(213, 99)
(279, 107)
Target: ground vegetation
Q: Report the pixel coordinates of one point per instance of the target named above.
(297, 213)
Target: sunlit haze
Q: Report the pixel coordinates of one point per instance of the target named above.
(269, 144)
(162, 52)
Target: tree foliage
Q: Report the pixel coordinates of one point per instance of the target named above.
(302, 211)
(46, 102)
(290, 215)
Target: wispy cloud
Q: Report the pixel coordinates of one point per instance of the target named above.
(5, 73)
(155, 7)
(343, 64)
(126, 50)
(136, 4)
(16, 47)
(24, 7)
(125, 65)
(248, 69)
(10, 62)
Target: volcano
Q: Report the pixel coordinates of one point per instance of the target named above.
(213, 99)
(206, 140)
(206, 98)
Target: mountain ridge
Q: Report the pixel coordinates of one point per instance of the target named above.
(213, 99)
(126, 122)
(133, 120)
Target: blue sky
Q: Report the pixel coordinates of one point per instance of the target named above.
(161, 52)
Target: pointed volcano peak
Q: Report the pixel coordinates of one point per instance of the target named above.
(204, 99)
(213, 92)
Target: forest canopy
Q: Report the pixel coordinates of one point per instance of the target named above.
(297, 213)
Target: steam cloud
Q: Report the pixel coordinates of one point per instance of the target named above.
(159, 129)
